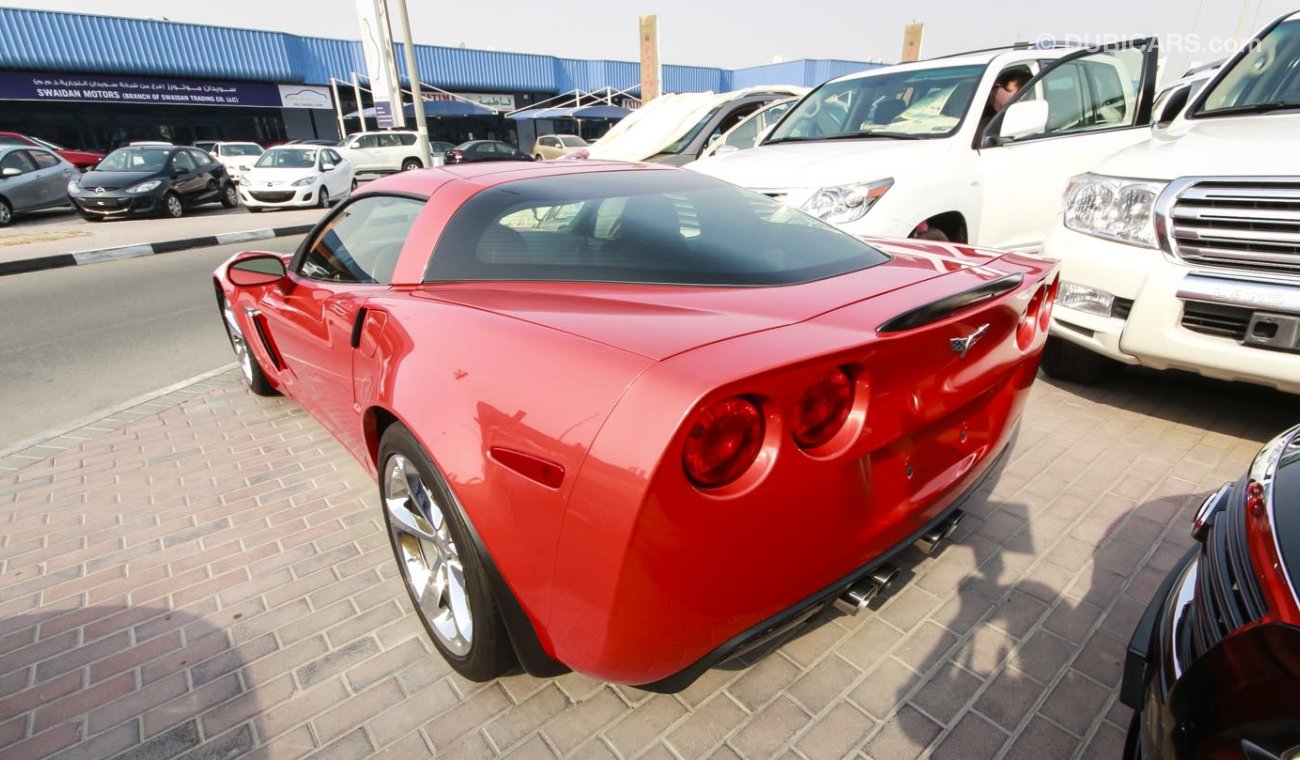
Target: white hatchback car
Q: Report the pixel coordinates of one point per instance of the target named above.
(237, 157)
(294, 176)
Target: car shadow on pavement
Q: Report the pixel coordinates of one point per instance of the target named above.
(97, 681)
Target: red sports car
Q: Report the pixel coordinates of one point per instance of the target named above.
(84, 160)
(632, 420)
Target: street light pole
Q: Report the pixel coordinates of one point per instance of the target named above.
(421, 124)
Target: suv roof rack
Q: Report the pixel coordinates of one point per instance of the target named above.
(1036, 45)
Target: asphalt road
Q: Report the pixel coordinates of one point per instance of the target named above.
(77, 340)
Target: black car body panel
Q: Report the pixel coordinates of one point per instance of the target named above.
(485, 150)
(193, 175)
(1213, 669)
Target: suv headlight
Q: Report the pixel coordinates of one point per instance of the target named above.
(1113, 208)
(305, 181)
(74, 186)
(846, 203)
(144, 187)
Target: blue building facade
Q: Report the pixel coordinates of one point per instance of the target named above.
(269, 85)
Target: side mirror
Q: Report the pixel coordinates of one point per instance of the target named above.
(1022, 119)
(327, 167)
(11, 172)
(256, 269)
(1174, 105)
(725, 150)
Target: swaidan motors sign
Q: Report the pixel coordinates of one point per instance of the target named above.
(107, 88)
(377, 45)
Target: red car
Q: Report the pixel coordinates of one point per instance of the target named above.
(632, 420)
(84, 160)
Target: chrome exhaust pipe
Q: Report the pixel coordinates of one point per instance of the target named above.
(930, 541)
(859, 596)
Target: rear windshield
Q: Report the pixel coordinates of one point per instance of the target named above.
(644, 227)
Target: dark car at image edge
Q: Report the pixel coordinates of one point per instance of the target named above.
(151, 180)
(1213, 669)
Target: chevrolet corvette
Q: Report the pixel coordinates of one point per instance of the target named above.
(630, 420)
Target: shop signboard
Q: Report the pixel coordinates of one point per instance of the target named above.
(109, 88)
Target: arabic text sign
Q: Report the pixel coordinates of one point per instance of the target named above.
(96, 88)
(500, 103)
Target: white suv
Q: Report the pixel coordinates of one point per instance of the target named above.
(1184, 251)
(915, 150)
(389, 151)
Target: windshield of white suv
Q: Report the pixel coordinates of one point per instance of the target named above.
(1264, 79)
(908, 104)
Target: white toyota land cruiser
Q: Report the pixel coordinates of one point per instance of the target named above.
(1183, 251)
(917, 150)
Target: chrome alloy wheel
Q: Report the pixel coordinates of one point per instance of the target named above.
(430, 561)
(238, 343)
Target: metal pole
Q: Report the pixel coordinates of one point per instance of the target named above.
(421, 124)
(361, 107)
(338, 108)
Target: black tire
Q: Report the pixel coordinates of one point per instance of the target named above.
(323, 201)
(255, 209)
(488, 654)
(1071, 362)
(172, 207)
(230, 196)
(411, 164)
(249, 367)
(6, 213)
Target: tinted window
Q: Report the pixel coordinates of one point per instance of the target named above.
(650, 227)
(182, 162)
(44, 160)
(389, 140)
(369, 141)
(19, 160)
(406, 139)
(134, 160)
(572, 141)
(361, 243)
(200, 158)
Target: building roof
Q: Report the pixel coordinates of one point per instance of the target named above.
(34, 40)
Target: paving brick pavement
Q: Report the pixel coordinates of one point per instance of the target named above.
(206, 575)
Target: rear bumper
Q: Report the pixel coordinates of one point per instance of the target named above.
(792, 617)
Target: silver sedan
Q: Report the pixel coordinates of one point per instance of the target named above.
(31, 179)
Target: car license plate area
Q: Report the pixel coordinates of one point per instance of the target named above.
(1280, 332)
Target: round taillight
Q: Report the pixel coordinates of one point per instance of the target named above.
(823, 409)
(1045, 312)
(1029, 322)
(723, 443)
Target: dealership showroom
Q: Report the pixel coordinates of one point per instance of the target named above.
(663, 381)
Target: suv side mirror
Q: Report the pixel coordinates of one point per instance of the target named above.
(1022, 119)
(256, 269)
(1174, 105)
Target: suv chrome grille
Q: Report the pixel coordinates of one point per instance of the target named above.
(1239, 224)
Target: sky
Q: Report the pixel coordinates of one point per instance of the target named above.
(737, 34)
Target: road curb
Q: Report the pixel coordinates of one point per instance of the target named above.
(116, 253)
